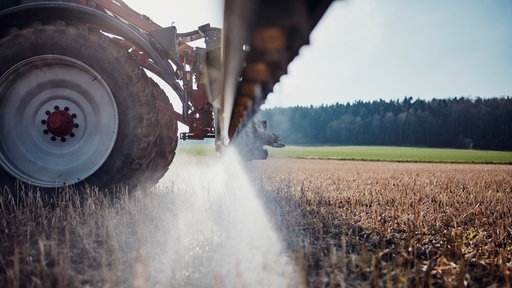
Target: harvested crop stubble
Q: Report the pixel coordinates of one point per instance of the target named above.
(393, 224)
(347, 224)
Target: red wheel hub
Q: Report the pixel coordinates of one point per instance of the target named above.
(60, 123)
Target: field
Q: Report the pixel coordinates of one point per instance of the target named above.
(356, 223)
(336, 223)
(375, 153)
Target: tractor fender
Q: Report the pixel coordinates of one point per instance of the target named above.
(25, 14)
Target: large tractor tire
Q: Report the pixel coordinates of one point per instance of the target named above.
(75, 108)
(167, 138)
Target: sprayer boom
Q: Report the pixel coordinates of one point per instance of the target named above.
(260, 39)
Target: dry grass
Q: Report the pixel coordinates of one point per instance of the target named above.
(78, 238)
(393, 224)
(347, 224)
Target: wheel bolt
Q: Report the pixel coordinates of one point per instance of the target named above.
(66, 108)
(71, 134)
(47, 112)
(45, 131)
(53, 138)
(63, 139)
(75, 125)
(43, 122)
(73, 115)
(56, 107)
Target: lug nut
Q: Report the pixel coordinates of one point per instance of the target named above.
(63, 139)
(56, 107)
(53, 138)
(75, 125)
(66, 108)
(71, 134)
(45, 131)
(47, 112)
(73, 115)
(43, 122)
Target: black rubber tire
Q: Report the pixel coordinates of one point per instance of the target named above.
(167, 137)
(138, 140)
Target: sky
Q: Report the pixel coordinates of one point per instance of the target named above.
(371, 49)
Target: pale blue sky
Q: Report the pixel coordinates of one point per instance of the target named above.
(384, 49)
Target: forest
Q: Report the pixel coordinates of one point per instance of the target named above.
(459, 122)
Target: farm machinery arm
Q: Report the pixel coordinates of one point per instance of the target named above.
(221, 86)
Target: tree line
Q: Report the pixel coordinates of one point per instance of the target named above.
(451, 123)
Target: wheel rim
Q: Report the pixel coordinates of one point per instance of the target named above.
(58, 121)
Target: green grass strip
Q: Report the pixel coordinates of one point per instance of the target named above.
(400, 154)
(197, 149)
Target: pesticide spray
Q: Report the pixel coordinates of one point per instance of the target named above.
(213, 231)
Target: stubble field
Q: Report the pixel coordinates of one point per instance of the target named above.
(384, 224)
(341, 224)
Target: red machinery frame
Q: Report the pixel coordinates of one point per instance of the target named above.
(197, 112)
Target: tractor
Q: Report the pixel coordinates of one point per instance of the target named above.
(79, 104)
